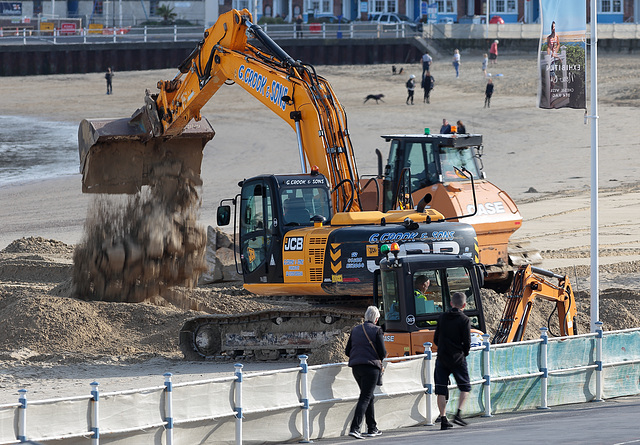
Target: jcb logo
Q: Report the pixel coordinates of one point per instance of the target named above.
(294, 243)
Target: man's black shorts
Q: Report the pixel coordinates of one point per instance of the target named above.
(460, 373)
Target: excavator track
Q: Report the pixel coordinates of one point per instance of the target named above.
(264, 335)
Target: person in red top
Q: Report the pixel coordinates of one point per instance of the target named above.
(493, 52)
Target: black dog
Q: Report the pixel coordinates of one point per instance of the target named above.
(375, 97)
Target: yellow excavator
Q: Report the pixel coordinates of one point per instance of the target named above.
(302, 234)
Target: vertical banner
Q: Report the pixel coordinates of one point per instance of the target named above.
(562, 58)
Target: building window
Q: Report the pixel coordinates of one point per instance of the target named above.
(446, 6)
(381, 6)
(153, 5)
(320, 7)
(37, 7)
(611, 6)
(241, 4)
(504, 7)
(97, 7)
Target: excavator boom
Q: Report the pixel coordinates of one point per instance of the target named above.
(169, 127)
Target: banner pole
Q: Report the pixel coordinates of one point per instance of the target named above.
(595, 279)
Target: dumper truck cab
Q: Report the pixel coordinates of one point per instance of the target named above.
(410, 309)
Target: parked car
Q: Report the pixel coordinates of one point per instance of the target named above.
(496, 19)
(391, 18)
(329, 19)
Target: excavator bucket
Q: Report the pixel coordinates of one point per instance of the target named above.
(119, 156)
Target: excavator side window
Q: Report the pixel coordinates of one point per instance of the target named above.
(427, 292)
(421, 160)
(255, 227)
(390, 295)
(459, 279)
(457, 157)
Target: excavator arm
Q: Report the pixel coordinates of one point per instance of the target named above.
(290, 89)
(528, 284)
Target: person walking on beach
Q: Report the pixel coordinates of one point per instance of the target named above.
(109, 77)
(456, 62)
(485, 61)
(427, 85)
(453, 338)
(426, 63)
(365, 349)
(488, 92)
(493, 52)
(411, 86)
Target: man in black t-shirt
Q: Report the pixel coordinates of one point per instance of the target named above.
(453, 338)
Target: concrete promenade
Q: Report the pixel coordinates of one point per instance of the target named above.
(614, 421)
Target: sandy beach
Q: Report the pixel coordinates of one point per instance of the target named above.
(540, 157)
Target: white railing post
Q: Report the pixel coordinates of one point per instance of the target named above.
(304, 390)
(238, 402)
(599, 375)
(168, 401)
(22, 415)
(24, 36)
(114, 35)
(145, 33)
(175, 33)
(84, 35)
(544, 380)
(428, 385)
(486, 359)
(95, 425)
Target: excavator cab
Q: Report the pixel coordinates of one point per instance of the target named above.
(431, 160)
(268, 207)
(416, 290)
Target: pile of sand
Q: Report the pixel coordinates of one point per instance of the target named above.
(41, 318)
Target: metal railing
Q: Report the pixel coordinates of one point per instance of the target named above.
(354, 30)
(306, 402)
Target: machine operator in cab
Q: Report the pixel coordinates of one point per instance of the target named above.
(426, 301)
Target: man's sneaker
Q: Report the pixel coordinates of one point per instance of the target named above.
(458, 420)
(374, 432)
(356, 434)
(445, 424)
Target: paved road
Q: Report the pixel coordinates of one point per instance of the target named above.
(613, 422)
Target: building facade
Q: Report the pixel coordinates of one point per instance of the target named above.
(122, 13)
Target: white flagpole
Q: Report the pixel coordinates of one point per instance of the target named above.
(595, 279)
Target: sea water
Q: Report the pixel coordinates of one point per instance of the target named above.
(35, 149)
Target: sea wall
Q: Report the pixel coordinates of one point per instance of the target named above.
(39, 59)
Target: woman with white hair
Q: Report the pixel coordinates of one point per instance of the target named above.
(493, 52)
(366, 351)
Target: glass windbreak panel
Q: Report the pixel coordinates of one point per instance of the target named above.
(457, 157)
(301, 204)
(427, 292)
(390, 295)
(459, 280)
